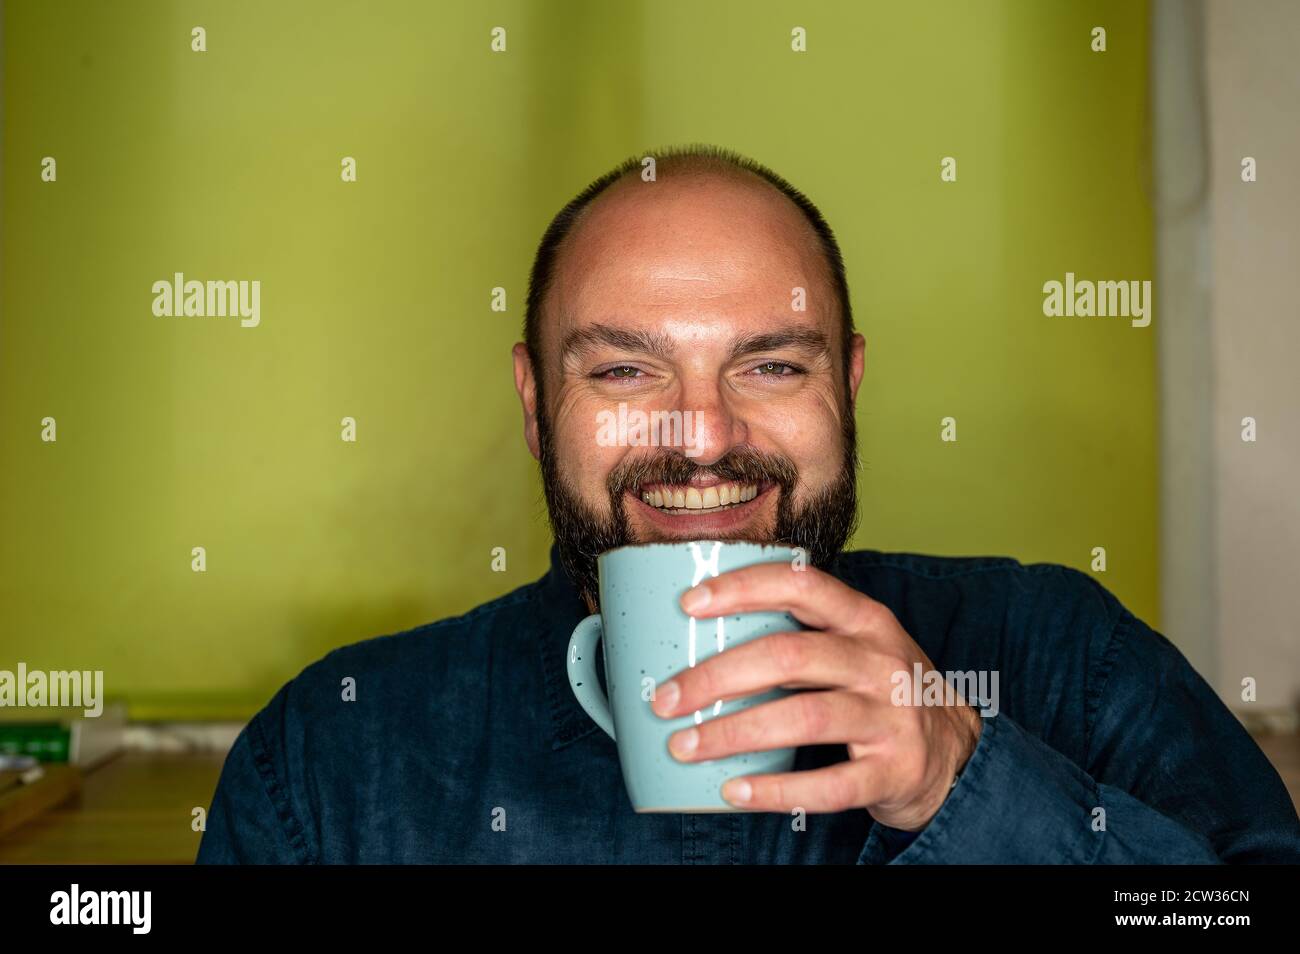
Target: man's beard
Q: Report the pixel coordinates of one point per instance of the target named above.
(820, 526)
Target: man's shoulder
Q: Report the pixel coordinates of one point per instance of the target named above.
(987, 595)
(404, 669)
(992, 572)
(493, 618)
(404, 706)
(1055, 636)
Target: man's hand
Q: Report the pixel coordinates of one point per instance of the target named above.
(902, 759)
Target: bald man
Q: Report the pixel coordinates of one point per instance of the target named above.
(703, 284)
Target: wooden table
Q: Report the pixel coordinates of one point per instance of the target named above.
(134, 809)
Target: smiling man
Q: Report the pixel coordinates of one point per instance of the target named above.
(714, 293)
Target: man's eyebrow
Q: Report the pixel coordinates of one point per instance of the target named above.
(805, 339)
(644, 342)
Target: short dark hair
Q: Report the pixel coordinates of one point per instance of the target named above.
(691, 158)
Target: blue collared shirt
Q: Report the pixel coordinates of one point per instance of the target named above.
(464, 743)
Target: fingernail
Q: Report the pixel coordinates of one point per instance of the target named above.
(684, 743)
(666, 697)
(696, 599)
(738, 791)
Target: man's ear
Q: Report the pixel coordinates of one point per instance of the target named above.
(526, 386)
(857, 360)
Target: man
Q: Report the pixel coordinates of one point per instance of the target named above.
(677, 286)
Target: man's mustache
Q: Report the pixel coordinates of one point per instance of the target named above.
(742, 465)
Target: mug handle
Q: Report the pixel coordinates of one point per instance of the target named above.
(582, 673)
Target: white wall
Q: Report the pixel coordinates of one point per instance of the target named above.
(1253, 73)
(1226, 79)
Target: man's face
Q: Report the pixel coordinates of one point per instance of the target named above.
(684, 395)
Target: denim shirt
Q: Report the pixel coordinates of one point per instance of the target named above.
(464, 744)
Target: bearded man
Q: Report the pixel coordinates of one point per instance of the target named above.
(716, 289)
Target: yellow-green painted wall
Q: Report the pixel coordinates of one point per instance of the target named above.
(182, 432)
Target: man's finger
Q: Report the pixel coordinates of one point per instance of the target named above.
(807, 656)
(837, 788)
(816, 599)
(808, 718)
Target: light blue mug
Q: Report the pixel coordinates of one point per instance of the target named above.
(647, 638)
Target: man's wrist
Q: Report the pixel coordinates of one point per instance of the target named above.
(973, 724)
(969, 727)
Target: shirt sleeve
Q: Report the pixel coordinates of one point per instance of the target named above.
(250, 820)
(1170, 777)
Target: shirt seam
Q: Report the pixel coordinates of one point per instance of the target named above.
(290, 827)
(853, 562)
(1118, 636)
(500, 603)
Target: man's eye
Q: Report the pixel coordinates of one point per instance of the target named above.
(621, 372)
(778, 368)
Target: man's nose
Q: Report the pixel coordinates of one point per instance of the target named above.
(713, 425)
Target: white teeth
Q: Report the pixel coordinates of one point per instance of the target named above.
(692, 498)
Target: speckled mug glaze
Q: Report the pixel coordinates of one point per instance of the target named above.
(647, 638)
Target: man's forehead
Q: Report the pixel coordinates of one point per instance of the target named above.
(689, 255)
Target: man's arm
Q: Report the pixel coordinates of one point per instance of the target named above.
(1171, 777)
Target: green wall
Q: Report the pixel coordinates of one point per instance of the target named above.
(183, 432)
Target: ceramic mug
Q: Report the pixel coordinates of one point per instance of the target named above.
(646, 639)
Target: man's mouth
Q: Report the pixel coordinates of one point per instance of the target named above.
(705, 507)
(678, 499)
